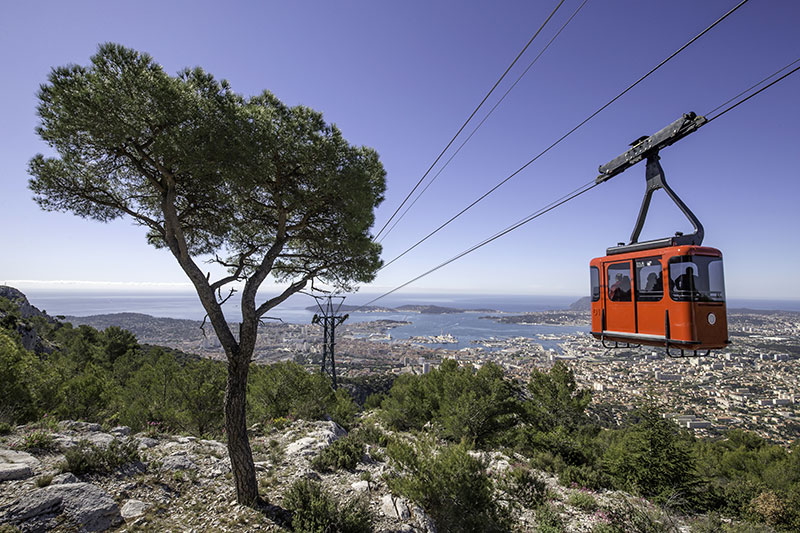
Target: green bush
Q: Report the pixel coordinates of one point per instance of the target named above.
(39, 441)
(524, 487)
(583, 501)
(479, 406)
(5, 428)
(87, 458)
(449, 484)
(626, 516)
(652, 458)
(342, 409)
(583, 476)
(371, 434)
(315, 511)
(344, 453)
(548, 520)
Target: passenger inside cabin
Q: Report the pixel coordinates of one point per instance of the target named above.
(620, 291)
(687, 281)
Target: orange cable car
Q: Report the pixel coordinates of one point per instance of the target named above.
(665, 292)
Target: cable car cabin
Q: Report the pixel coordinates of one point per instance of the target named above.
(671, 297)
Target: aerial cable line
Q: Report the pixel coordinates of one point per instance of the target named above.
(570, 132)
(580, 190)
(564, 199)
(496, 105)
(764, 88)
(468, 119)
(723, 104)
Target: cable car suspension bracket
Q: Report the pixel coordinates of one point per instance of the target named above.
(648, 148)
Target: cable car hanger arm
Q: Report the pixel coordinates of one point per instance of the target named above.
(648, 148)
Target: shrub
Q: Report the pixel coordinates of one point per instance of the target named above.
(548, 520)
(524, 487)
(583, 476)
(44, 481)
(342, 409)
(626, 516)
(5, 428)
(38, 441)
(315, 511)
(583, 501)
(87, 458)
(371, 434)
(769, 507)
(344, 453)
(449, 484)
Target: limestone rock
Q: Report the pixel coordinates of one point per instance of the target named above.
(146, 442)
(360, 486)
(395, 507)
(12, 471)
(177, 462)
(322, 436)
(121, 431)
(63, 479)
(73, 425)
(101, 439)
(133, 509)
(11, 456)
(83, 505)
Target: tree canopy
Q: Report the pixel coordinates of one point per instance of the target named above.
(264, 187)
(261, 187)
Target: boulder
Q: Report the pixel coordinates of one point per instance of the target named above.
(11, 456)
(63, 479)
(177, 462)
(101, 439)
(121, 431)
(12, 471)
(77, 505)
(133, 509)
(73, 425)
(360, 486)
(395, 507)
(321, 436)
(146, 442)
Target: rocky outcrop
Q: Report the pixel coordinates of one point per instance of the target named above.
(79, 505)
(19, 320)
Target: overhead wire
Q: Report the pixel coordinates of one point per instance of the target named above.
(533, 216)
(764, 88)
(570, 132)
(723, 104)
(485, 118)
(580, 190)
(469, 118)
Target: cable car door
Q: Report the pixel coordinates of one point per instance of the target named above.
(620, 310)
(649, 295)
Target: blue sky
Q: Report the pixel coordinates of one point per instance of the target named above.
(402, 77)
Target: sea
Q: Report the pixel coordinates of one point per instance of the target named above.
(466, 327)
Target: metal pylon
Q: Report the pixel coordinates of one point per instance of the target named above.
(329, 318)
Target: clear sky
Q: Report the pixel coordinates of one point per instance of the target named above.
(401, 77)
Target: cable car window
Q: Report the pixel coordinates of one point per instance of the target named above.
(696, 278)
(619, 282)
(594, 274)
(649, 280)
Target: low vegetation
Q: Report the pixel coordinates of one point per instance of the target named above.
(437, 424)
(314, 510)
(88, 458)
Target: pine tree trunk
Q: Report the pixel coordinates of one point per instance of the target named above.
(244, 472)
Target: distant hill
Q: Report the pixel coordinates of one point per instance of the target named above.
(422, 309)
(584, 304)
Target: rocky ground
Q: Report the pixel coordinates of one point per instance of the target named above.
(185, 484)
